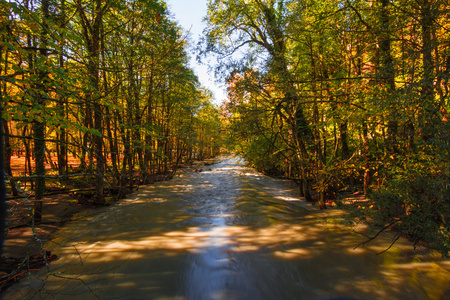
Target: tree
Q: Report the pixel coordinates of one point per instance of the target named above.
(367, 75)
(39, 124)
(263, 25)
(109, 85)
(92, 36)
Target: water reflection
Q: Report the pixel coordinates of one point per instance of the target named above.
(228, 233)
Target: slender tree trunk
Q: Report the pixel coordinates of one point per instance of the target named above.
(148, 136)
(39, 126)
(62, 143)
(428, 115)
(3, 206)
(100, 164)
(343, 131)
(7, 157)
(387, 74)
(5, 138)
(28, 154)
(366, 157)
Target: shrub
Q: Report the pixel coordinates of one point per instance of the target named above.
(416, 205)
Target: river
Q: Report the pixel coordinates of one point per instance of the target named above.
(227, 233)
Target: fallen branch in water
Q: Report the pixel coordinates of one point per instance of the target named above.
(393, 242)
(17, 275)
(369, 239)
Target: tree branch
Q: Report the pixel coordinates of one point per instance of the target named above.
(376, 235)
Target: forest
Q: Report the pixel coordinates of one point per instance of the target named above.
(98, 95)
(342, 96)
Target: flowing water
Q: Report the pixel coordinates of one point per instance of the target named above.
(227, 233)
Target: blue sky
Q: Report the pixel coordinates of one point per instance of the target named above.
(189, 14)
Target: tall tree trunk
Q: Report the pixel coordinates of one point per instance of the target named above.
(6, 134)
(26, 143)
(148, 135)
(343, 131)
(297, 120)
(62, 143)
(92, 31)
(38, 125)
(387, 74)
(366, 157)
(39, 156)
(428, 115)
(7, 156)
(3, 206)
(100, 163)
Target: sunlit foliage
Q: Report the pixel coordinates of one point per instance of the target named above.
(344, 96)
(105, 82)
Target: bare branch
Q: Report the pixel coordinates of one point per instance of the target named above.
(376, 235)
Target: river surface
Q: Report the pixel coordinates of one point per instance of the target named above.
(226, 233)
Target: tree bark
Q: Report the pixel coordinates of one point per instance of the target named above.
(428, 115)
(92, 36)
(62, 145)
(387, 74)
(39, 125)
